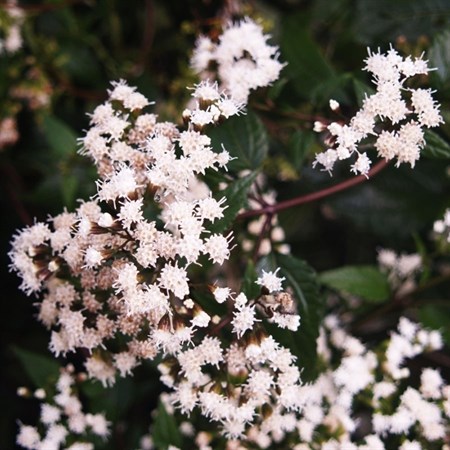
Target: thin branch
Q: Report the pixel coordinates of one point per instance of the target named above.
(147, 37)
(273, 209)
(269, 107)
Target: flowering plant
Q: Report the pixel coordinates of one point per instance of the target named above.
(179, 267)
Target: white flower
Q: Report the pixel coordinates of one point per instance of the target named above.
(124, 362)
(362, 164)
(201, 320)
(102, 371)
(243, 320)
(271, 281)
(50, 414)
(93, 257)
(221, 294)
(211, 209)
(334, 105)
(131, 212)
(28, 437)
(174, 278)
(431, 383)
(217, 248)
(98, 424)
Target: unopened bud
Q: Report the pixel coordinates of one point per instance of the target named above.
(23, 392)
(39, 393)
(186, 115)
(334, 105)
(53, 265)
(319, 126)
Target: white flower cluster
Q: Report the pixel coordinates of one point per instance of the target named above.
(394, 116)
(131, 270)
(11, 27)
(62, 419)
(259, 371)
(442, 226)
(119, 266)
(332, 402)
(264, 374)
(243, 58)
(356, 382)
(401, 269)
(212, 106)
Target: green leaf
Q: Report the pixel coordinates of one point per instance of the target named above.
(114, 401)
(236, 196)
(245, 138)
(307, 67)
(364, 281)
(438, 318)
(60, 137)
(300, 145)
(439, 56)
(303, 281)
(81, 63)
(362, 90)
(41, 369)
(165, 430)
(385, 20)
(435, 146)
(397, 202)
(249, 286)
(69, 190)
(277, 87)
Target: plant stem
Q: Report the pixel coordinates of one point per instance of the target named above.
(273, 209)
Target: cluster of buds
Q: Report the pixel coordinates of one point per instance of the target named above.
(242, 58)
(395, 116)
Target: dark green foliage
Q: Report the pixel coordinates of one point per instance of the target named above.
(74, 49)
(366, 282)
(301, 278)
(236, 195)
(245, 138)
(42, 370)
(165, 429)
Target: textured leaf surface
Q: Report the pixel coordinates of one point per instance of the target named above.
(249, 286)
(301, 278)
(386, 20)
(236, 195)
(307, 68)
(165, 430)
(396, 203)
(435, 147)
(245, 138)
(439, 56)
(363, 281)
